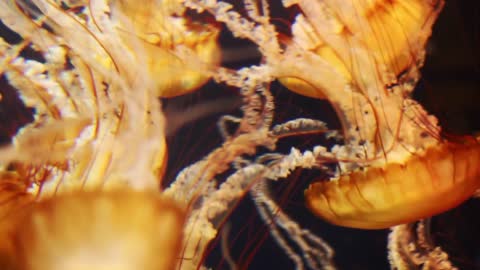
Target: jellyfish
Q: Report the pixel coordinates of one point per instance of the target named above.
(364, 57)
(390, 41)
(95, 152)
(97, 145)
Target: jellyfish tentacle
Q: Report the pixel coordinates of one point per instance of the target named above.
(224, 245)
(222, 125)
(299, 126)
(409, 248)
(314, 252)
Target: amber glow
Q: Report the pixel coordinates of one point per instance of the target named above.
(97, 231)
(426, 185)
(388, 28)
(148, 28)
(83, 185)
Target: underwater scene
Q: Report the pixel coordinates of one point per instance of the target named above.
(239, 134)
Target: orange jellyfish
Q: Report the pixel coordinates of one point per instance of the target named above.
(103, 232)
(84, 177)
(364, 57)
(97, 135)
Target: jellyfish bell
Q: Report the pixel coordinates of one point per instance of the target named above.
(159, 28)
(14, 195)
(391, 30)
(427, 184)
(96, 230)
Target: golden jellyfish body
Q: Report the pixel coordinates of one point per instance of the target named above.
(117, 48)
(373, 51)
(426, 184)
(85, 176)
(95, 230)
(389, 29)
(81, 184)
(159, 27)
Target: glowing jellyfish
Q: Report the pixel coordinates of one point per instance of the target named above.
(94, 230)
(98, 132)
(97, 143)
(161, 29)
(378, 48)
(364, 57)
